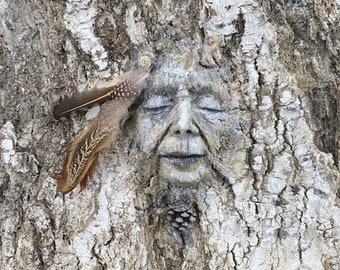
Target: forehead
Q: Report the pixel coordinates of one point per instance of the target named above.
(169, 80)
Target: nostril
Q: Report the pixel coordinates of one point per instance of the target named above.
(178, 132)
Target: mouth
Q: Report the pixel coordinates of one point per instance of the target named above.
(182, 159)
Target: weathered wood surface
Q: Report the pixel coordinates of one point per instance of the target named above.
(277, 206)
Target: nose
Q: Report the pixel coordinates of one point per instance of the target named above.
(184, 123)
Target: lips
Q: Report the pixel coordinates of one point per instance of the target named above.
(182, 158)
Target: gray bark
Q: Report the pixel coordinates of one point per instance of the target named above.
(272, 200)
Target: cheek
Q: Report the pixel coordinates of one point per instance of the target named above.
(212, 126)
(149, 130)
(209, 119)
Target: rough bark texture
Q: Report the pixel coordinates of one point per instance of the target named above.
(276, 205)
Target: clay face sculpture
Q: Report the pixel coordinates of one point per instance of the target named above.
(180, 120)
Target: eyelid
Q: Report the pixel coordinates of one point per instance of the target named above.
(209, 103)
(157, 102)
(209, 109)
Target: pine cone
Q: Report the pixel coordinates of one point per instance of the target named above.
(181, 215)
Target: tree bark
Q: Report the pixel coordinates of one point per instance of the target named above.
(271, 200)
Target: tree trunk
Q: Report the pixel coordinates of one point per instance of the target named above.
(267, 196)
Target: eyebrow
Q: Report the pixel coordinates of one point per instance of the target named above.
(206, 90)
(196, 89)
(169, 91)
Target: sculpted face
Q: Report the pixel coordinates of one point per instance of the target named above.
(190, 128)
(180, 121)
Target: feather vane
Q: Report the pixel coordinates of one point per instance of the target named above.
(84, 151)
(119, 88)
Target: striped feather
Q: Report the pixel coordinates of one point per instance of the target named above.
(119, 88)
(83, 152)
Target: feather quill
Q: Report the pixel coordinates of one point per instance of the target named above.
(83, 152)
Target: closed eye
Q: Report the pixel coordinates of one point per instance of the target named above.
(210, 110)
(208, 103)
(157, 104)
(158, 109)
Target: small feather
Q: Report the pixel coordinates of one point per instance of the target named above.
(101, 92)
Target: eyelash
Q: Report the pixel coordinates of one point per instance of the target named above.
(159, 109)
(210, 110)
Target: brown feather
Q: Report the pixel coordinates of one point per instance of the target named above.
(121, 87)
(83, 152)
